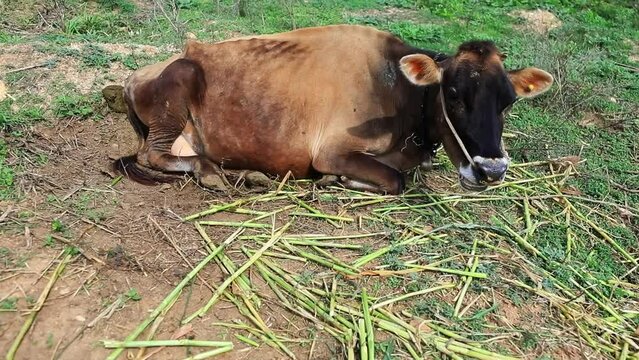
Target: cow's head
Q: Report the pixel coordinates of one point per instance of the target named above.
(476, 90)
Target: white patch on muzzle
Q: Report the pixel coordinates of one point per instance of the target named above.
(494, 164)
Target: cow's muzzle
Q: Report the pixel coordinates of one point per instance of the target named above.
(487, 171)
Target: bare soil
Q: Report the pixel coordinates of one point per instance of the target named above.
(129, 249)
(539, 21)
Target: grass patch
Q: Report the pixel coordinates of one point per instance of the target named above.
(73, 106)
(563, 243)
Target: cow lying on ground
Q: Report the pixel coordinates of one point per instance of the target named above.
(348, 101)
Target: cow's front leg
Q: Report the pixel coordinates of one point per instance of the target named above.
(360, 171)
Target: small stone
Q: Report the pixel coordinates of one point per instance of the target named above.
(3, 91)
(80, 318)
(165, 187)
(65, 291)
(190, 35)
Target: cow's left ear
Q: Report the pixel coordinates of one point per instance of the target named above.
(530, 82)
(420, 69)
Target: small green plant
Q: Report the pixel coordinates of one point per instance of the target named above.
(96, 56)
(133, 294)
(72, 105)
(306, 277)
(387, 348)
(9, 303)
(529, 340)
(5, 256)
(50, 341)
(92, 24)
(49, 241)
(124, 6)
(57, 226)
(71, 250)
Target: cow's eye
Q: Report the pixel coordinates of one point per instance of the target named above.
(452, 92)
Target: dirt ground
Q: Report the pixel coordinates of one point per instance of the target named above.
(129, 249)
(131, 236)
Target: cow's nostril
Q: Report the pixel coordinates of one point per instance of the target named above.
(492, 170)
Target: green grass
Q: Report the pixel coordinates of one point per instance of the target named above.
(586, 55)
(9, 303)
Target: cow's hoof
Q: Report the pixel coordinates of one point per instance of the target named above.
(257, 179)
(213, 182)
(327, 180)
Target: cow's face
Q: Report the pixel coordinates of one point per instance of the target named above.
(476, 90)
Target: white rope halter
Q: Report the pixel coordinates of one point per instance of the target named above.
(452, 129)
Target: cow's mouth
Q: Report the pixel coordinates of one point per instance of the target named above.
(472, 179)
(471, 185)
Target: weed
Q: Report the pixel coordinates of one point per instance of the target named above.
(133, 294)
(57, 226)
(6, 174)
(5, 256)
(14, 116)
(49, 241)
(394, 282)
(529, 340)
(387, 348)
(50, 342)
(72, 105)
(9, 303)
(431, 307)
(96, 56)
(94, 24)
(71, 250)
(124, 6)
(306, 277)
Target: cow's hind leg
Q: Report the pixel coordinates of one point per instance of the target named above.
(361, 171)
(175, 92)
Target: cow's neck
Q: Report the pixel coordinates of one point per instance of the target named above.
(431, 115)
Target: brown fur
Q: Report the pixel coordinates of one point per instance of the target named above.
(328, 100)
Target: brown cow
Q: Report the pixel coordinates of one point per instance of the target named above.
(341, 100)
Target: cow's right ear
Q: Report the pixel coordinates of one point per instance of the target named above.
(420, 69)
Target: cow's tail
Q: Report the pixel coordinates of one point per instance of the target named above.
(129, 166)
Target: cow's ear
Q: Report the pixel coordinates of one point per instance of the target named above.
(420, 69)
(530, 82)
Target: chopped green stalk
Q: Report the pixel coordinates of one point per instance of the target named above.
(173, 294)
(361, 334)
(41, 300)
(370, 335)
(323, 216)
(241, 270)
(246, 340)
(211, 353)
(474, 262)
(109, 344)
(409, 295)
(246, 224)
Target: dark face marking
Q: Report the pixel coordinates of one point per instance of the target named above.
(477, 91)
